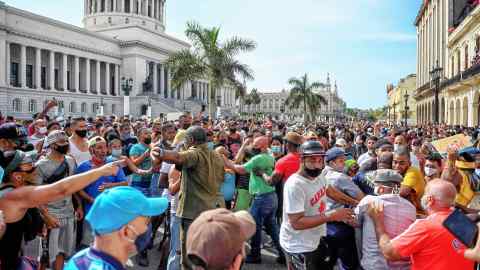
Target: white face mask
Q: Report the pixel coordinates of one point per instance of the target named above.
(477, 171)
(42, 130)
(396, 146)
(430, 171)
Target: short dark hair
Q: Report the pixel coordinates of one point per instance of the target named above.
(75, 120)
(435, 157)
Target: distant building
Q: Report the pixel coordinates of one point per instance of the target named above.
(273, 103)
(396, 101)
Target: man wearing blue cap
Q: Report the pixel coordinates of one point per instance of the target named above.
(119, 218)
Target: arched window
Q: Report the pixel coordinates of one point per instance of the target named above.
(32, 106)
(17, 105)
(84, 107)
(72, 107)
(95, 108)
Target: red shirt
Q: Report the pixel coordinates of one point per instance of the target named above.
(430, 246)
(288, 165)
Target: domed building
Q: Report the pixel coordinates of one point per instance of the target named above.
(115, 64)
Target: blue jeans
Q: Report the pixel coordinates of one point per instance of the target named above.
(175, 254)
(263, 210)
(154, 189)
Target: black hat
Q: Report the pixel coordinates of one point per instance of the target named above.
(12, 131)
(312, 148)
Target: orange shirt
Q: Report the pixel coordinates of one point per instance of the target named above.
(430, 246)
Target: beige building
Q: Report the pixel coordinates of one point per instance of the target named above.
(397, 95)
(273, 103)
(448, 32)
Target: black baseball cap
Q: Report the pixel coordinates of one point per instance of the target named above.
(12, 131)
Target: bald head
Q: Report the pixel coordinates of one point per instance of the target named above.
(443, 191)
(261, 143)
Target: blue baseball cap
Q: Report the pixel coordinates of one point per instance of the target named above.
(116, 207)
(334, 153)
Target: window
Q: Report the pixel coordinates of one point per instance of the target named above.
(68, 80)
(56, 83)
(17, 105)
(44, 78)
(14, 80)
(102, 5)
(127, 20)
(466, 57)
(29, 76)
(458, 62)
(95, 108)
(127, 6)
(110, 20)
(84, 107)
(72, 107)
(32, 106)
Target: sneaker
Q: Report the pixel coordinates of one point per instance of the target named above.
(253, 259)
(142, 259)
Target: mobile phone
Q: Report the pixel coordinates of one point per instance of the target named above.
(462, 228)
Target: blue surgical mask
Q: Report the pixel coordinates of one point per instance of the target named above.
(116, 152)
(276, 149)
(210, 145)
(2, 172)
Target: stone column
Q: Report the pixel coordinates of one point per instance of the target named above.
(8, 64)
(154, 9)
(38, 68)
(162, 80)
(76, 86)
(131, 6)
(97, 72)
(117, 77)
(23, 66)
(98, 6)
(52, 70)
(87, 75)
(85, 4)
(65, 72)
(114, 6)
(168, 82)
(155, 78)
(107, 79)
(122, 6)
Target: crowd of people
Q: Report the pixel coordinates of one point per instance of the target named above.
(82, 193)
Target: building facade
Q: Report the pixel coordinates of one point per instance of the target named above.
(400, 96)
(86, 69)
(273, 104)
(449, 32)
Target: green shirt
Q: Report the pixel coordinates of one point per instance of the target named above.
(265, 163)
(202, 174)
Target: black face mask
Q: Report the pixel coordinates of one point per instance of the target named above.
(147, 140)
(186, 126)
(256, 151)
(62, 149)
(223, 142)
(313, 172)
(81, 133)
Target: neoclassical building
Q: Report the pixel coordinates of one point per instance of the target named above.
(400, 95)
(122, 43)
(273, 103)
(448, 32)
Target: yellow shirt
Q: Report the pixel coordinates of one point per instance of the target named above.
(465, 193)
(414, 179)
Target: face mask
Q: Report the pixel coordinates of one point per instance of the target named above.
(430, 171)
(147, 140)
(141, 242)
(9, 153)
(186, 126)
(62, 149)
(424, 203)
(395, 147)
(477, 171)
(2, 172)
(376, 190)
(42, 130)
(256, 151)
(313, 172)
(276, 149)
(223, 142)
(81, 133)
(116, 152)
(210, 145)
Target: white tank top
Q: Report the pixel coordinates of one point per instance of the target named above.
(78, 155)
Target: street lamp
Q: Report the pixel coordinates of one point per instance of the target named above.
(435, 76)
(395, 112)
(127, 85)
(406, 107)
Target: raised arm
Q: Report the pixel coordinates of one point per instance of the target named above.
(20, 199)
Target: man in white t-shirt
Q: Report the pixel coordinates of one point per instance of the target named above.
(304, 214)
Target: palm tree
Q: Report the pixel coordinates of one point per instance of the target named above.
(253, 97)
(302, 93)
(212, 60)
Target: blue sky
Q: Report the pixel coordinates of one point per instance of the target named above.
(363, 44)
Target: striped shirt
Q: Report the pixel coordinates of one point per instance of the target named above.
(92, 259)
